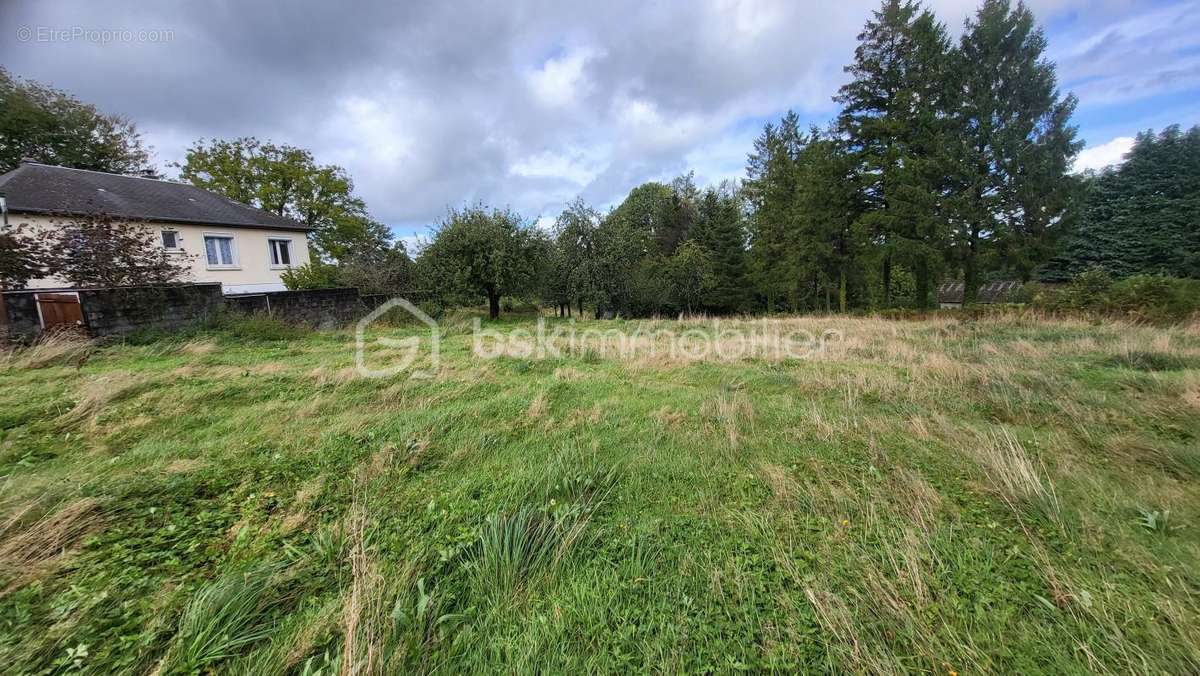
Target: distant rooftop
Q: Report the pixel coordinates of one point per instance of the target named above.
(989, 292)
(46, 189)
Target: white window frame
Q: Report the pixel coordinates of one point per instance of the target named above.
(233, 251)
(178, 248)
(271, 253)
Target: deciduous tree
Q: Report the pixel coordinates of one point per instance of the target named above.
(52, 127)
(102, 251)
(476, 252)
(288, 181)
(22, 257)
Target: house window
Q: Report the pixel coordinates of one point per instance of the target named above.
(170, 239)
(281, 252)
(219, 251)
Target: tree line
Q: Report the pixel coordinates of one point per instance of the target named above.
(948, 159)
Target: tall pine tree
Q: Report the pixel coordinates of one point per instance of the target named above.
(1142, 217)
(1016, 144)
(828, 207)
(896, 125)
(720, 230)
(771, 185)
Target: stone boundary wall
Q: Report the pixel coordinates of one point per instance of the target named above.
(116, 311)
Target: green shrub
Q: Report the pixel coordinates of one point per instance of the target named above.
(313, 275)
(1154, 298)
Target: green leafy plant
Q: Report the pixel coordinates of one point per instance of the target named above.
(1156, 521)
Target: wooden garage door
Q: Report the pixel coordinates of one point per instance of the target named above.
(60, 310)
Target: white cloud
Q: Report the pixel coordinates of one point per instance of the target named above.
(1104, 154)
(561, 80)
(431, 105)
(549, 164)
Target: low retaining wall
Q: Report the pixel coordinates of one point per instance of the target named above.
(319, 308)
(108, 312)
(21, 323)
(115, 311)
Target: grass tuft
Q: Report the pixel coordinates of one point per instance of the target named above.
(225, 617)
(1018, 479)
(517, 550)
(63, 348)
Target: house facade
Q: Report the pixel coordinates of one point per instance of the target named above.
(243, 248)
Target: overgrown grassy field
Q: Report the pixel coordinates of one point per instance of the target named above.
(1009, 495)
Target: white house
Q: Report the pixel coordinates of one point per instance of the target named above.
(243, 248)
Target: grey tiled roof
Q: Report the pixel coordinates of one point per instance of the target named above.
(991, 292)
(45, 189)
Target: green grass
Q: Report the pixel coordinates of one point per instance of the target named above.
(1008, 495)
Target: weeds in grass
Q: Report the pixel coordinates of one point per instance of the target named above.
(329, 548)
(225, 617)
(1156, 521)
(290, 647)
(1017, 479)
(841, 536)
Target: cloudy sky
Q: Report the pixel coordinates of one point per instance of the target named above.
(529, 104)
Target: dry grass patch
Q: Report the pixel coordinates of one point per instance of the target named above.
(53, 349)
(1028, 350)
(269, 368)
(591, 416)
(784, 489)
(325, 375)
(815, 424)
(185, 465)
(1190, 391)
(734, 412)
(855, 650)
(919, 500)
(568, 374)
(668, 417)
(1017, 478)
(940, 369)
(198, 348)
(98, 392)
(28, 552)
(537, 407)
(298, 514)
